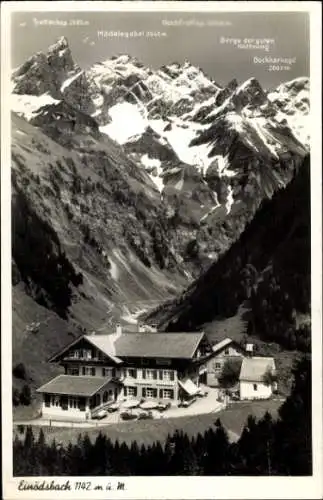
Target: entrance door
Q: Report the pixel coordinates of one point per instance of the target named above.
(115, 394)
(203, 378)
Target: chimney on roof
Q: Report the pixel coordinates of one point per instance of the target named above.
(249, 350)
(118, 329)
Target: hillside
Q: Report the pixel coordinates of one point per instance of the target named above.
(268, 269)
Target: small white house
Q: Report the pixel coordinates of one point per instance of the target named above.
(255, 381)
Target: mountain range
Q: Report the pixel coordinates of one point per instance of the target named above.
(129, 182)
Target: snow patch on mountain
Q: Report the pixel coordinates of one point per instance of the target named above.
(154, 170)
(265, 136)
(114, 271)
(230, 200)
(223, 166)
(180, 137)
(69, 80)
(28, 106)
(127, 121)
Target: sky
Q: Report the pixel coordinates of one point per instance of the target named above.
(214, 42)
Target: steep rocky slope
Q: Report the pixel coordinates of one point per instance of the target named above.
(267, 270)
(88, 231)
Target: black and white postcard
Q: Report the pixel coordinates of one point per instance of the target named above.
(161, 250)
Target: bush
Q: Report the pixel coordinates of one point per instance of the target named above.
(230, 372)
(19, 371)
(25, 395)
(21, 429)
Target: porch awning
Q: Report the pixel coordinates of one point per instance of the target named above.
(73, 385)
(189, 387)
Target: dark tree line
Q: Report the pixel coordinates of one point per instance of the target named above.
(266, 447)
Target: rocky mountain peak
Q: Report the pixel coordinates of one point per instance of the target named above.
(249, 93)
(45, 72)
(60, 44)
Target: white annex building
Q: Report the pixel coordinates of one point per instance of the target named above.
(256, 378)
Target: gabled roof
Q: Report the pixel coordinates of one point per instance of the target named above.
(253, 369)
(102, 342)
(74, 385)
(158, 345)
(222, 344)
(105, 344)
(142, 345)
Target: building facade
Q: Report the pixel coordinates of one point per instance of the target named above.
(223, 351)
(257, 378)
(100, 369)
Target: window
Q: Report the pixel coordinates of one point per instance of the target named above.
(151, 374)
(108, 372)
(47, 400)
(86, 353)
(56, 401)
(226, 351)
(99, 355)
(105, 396)
(151, 392)
(145, 362)
(163, 361)
(88, 370)
(131, 391)
(168, 375)
(74, 354)
(73, 402)
(73, 371)
(81, 404)
(132, 372)
(255, 387)
(217, 366)
(64, 402)
(168, 393)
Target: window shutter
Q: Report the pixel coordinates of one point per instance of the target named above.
(47, 400)
(155, 393)
(135, 391)
(155, 374)
(161, 375)
(93, 371)
(171, 394)
(83, 370)
(143, 392)
(135, 373)
(172, 375)
(143, 373)
(103, 372)
(161, 393)
(113, 372)
(125, 391)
